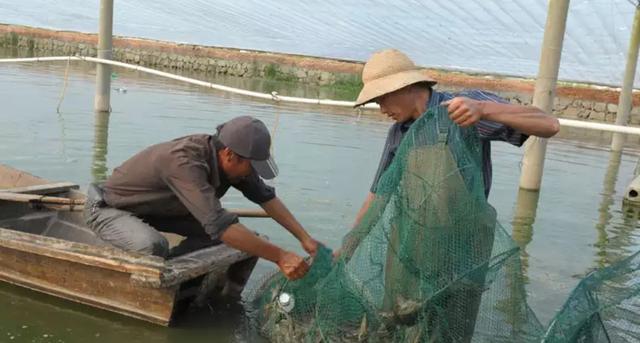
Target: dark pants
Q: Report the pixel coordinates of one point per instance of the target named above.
(141, 234)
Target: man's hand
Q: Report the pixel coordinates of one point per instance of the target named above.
(276, 209)
(310, 245)
(292, 266)
(336, 254)
(464, 111)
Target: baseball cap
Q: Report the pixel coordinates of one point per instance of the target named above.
(249, 138)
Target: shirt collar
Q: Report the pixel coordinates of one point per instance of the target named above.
(434, 100)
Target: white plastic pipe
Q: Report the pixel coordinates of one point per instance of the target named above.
(599, 126)
(40, 59)
(632, 194)
(274, 96)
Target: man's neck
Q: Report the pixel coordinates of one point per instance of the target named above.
(423, 96)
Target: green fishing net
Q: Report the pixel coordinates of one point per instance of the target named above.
(604, 307)
(428, 263)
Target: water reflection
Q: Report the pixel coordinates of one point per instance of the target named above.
(630, 215)
(63, 136)
(616, 238)
(608, 192)
(522, 225)
(100, 149)
(631, 193)
(36, 317)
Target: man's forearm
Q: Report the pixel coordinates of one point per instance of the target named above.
(239, 237)
(279, 212)
(364, 209)
(527, 119)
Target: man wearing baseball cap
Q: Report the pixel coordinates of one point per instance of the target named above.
(405, 91)
(176, 187)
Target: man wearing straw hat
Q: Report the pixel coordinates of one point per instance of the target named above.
(405, 91)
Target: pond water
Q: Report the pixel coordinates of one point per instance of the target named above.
(327, 158)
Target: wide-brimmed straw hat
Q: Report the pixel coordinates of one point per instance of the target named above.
(387, 71)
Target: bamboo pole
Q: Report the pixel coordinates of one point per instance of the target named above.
(66, 204)
(105, 51)
(625, 102)
(545, 89)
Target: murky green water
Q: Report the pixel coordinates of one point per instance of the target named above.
(327, 158)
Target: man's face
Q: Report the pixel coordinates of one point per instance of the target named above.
(399, 105)
(235, 167)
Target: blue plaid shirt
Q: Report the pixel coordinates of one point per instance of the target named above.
(488, 131)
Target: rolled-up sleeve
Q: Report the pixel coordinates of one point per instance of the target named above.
(493, 131)
(254, 189)
(187, 179)
(490, 130)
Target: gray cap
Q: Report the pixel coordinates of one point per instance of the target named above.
(249, 138)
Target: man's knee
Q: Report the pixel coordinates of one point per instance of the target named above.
(128, 232)
(149, 243)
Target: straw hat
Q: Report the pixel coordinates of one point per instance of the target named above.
(387, 71)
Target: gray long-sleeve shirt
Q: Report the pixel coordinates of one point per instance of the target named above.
(177, 178)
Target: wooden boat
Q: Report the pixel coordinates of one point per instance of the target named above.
(51, 251)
